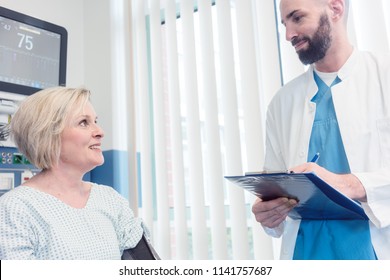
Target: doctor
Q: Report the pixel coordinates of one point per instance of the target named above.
(340, 107)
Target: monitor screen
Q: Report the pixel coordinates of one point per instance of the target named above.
(32, 53)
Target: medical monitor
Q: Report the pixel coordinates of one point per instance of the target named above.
(33, 53)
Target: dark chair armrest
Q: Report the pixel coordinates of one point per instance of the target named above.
(143, 251)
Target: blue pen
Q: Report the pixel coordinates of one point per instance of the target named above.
(315, 158)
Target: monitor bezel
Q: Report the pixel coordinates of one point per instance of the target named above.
(29, 20)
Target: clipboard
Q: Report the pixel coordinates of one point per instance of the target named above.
(316, 199)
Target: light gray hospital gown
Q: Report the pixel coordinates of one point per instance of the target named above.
(36, 225)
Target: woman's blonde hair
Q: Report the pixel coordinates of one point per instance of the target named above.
(40, 119)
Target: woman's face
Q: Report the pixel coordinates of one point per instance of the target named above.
(81, 141)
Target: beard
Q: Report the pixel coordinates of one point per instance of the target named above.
(318, 45)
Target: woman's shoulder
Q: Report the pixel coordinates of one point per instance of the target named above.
(104, 189)
(18, 193)
(19, 199)
(106, 192)
(103, 196)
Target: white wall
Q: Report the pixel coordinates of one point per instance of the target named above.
(97, 62)
(107, 62)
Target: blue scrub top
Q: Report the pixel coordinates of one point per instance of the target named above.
(331, 239)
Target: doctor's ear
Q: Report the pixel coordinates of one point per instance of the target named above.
(337, 9)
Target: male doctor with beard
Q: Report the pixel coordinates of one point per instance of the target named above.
(340, 108)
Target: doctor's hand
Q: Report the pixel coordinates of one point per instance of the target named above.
(273, 212)
(348, 184)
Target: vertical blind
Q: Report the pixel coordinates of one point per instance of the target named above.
(204, 74)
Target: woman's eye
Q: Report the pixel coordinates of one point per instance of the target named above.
(84, 123)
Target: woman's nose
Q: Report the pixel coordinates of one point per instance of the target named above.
(98, 131)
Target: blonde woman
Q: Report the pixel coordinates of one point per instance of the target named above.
(55, 214)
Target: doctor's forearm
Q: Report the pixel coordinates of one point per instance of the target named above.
(351, 186)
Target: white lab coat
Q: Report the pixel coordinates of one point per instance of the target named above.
(362, 104)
